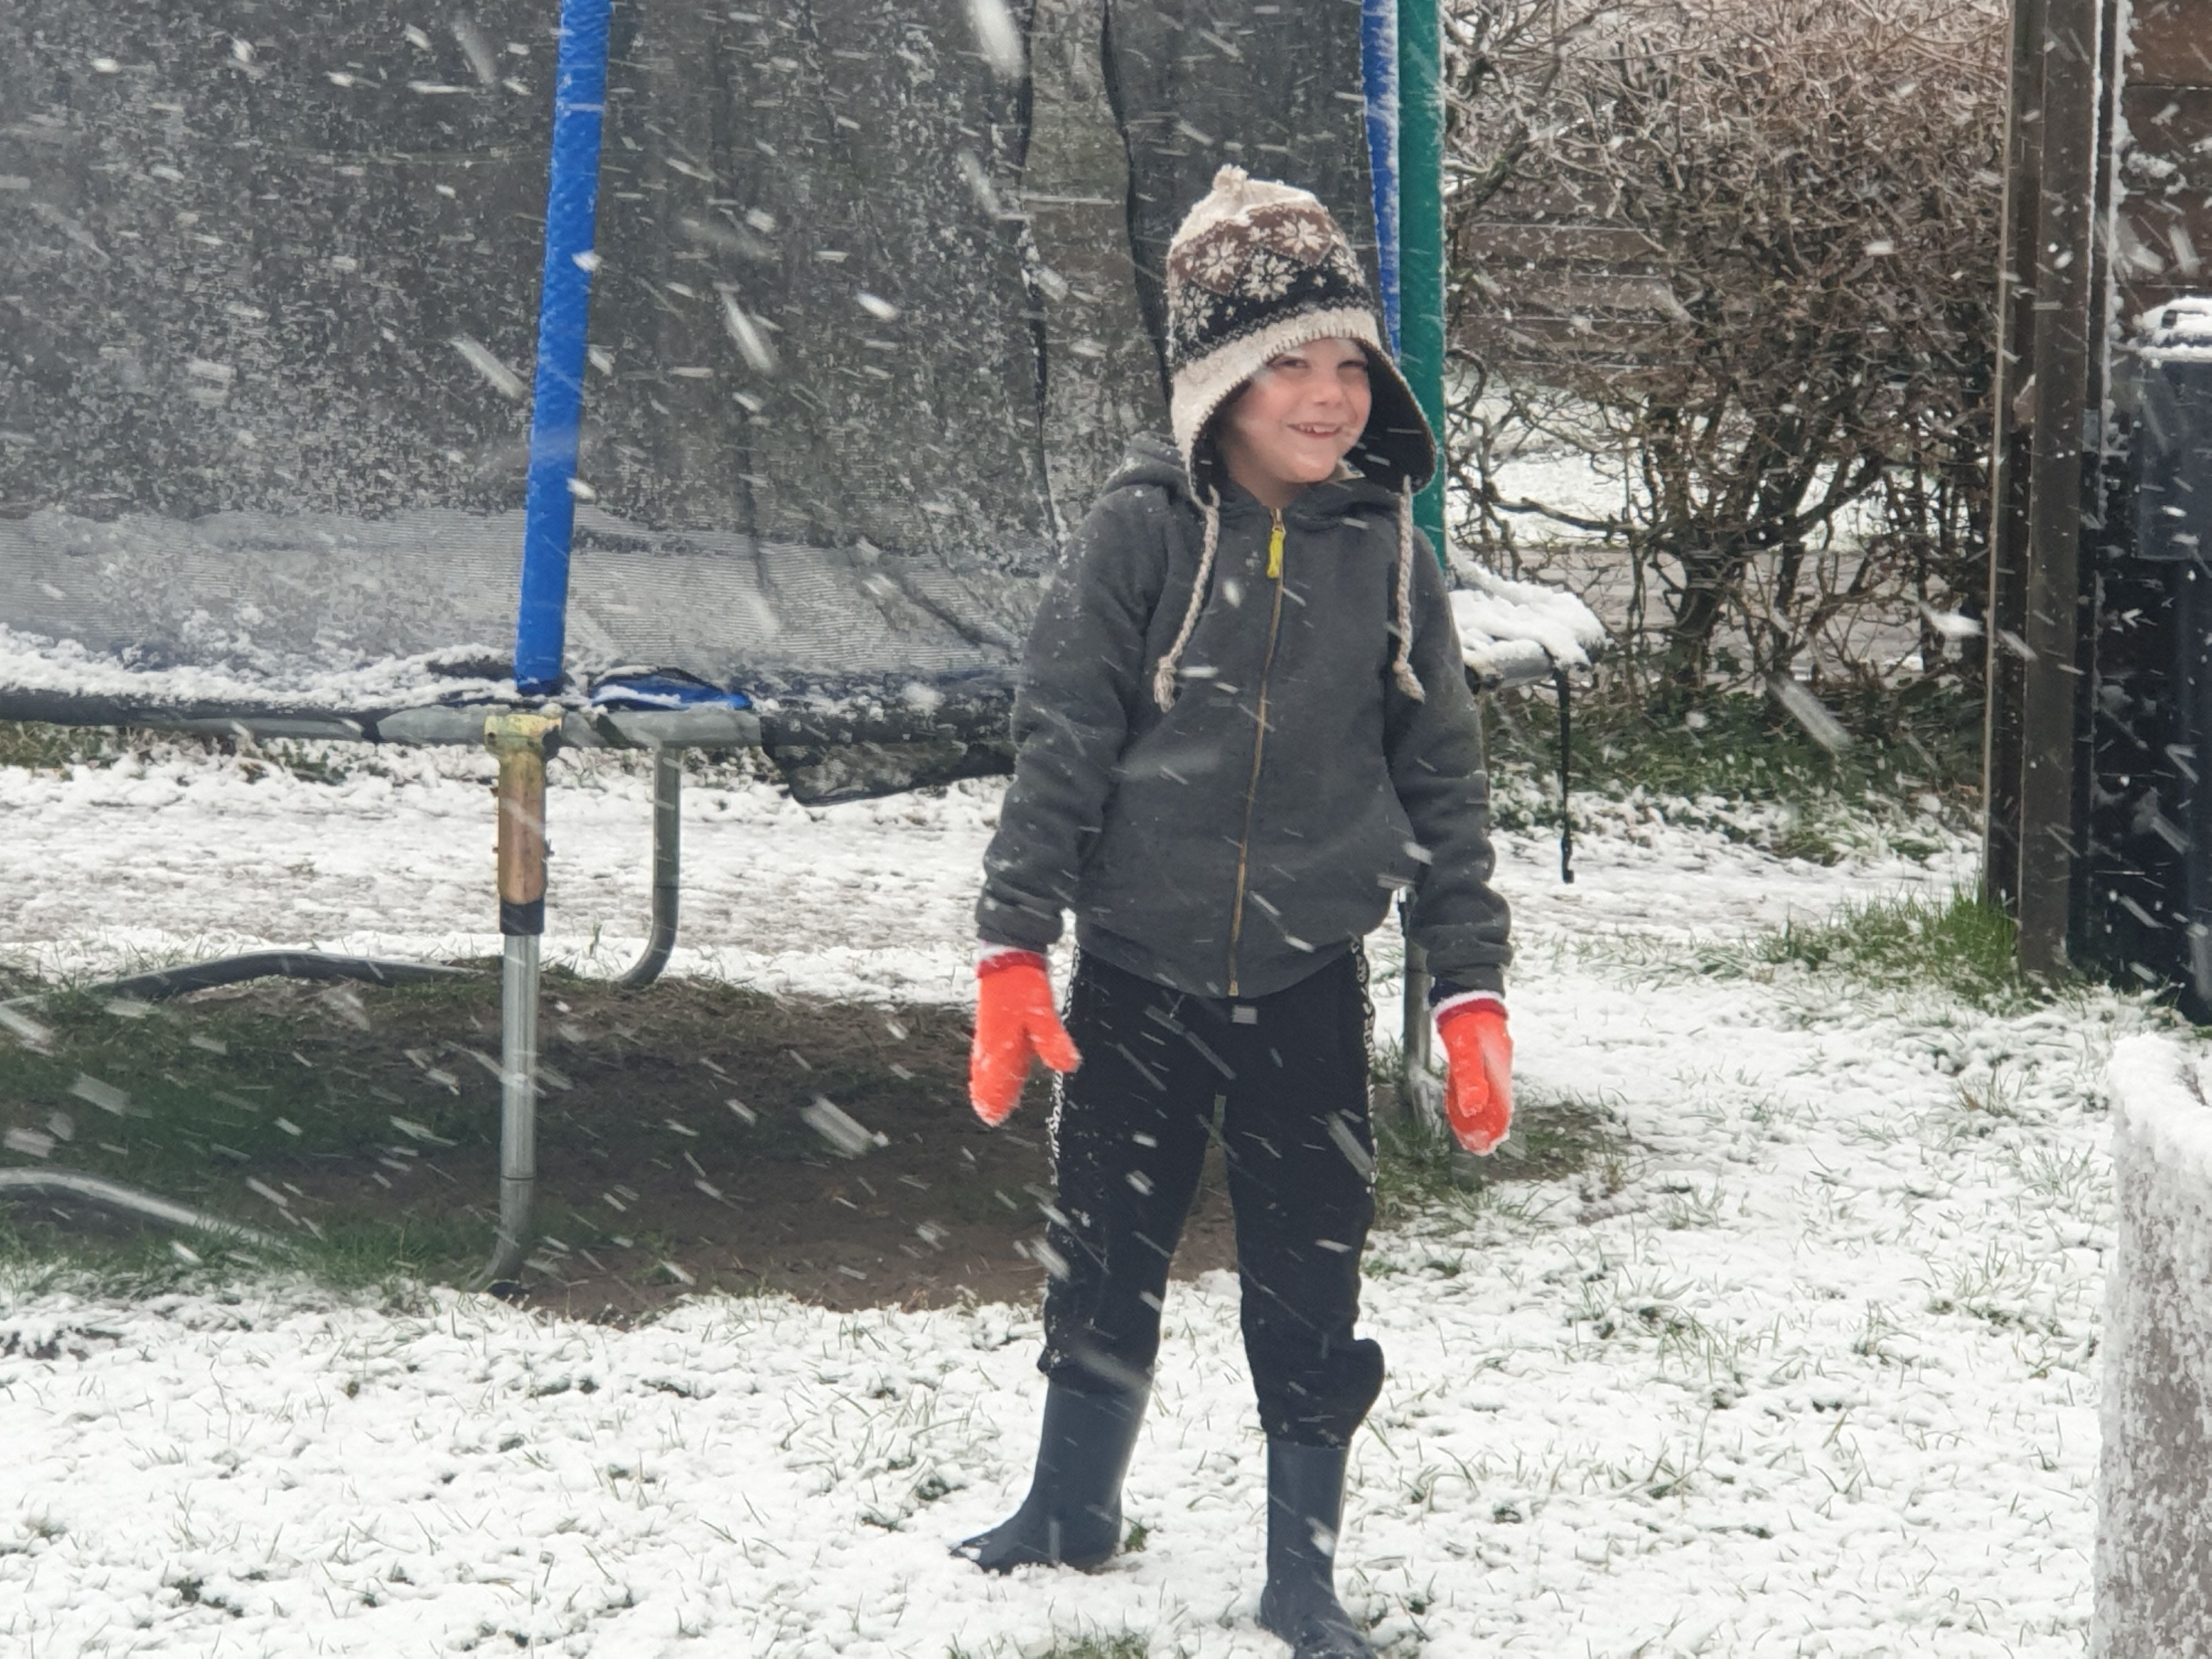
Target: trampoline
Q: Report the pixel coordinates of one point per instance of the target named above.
(720, 377)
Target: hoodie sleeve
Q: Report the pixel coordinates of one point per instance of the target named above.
(1081, 677)
(1436, 764)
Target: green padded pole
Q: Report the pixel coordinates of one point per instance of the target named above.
(1421, 232)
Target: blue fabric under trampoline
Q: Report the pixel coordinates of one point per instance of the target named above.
(663, 691)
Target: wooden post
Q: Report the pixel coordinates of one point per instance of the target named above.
(2050, 674)
(2005, 614)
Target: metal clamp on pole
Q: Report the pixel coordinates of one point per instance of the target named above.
(668, 865)
(522, 743)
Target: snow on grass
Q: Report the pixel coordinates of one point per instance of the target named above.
(176, 854)
(180, 855)
(1808, 1368)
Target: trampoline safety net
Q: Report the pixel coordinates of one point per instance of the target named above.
(872, 314)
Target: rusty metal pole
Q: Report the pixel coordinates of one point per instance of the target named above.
(2051, 677)
(522, 742)
(1419, 1100)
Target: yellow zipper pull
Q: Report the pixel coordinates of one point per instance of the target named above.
(1275, 548)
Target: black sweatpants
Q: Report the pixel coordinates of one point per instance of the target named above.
(1129, 1137)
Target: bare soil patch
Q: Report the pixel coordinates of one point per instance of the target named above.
(680, 1146)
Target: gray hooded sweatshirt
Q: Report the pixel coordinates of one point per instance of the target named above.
(1254, 831)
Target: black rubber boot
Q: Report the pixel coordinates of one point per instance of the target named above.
(1305, 1502)
(1072, 1515)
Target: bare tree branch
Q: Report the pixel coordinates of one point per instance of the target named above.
(1748, 242)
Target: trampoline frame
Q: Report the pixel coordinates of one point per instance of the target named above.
(1401, 45)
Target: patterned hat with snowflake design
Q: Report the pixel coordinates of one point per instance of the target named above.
(1259, 269)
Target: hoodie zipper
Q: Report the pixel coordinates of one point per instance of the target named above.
(1259, 742)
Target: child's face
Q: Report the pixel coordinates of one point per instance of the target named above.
(1296, 419)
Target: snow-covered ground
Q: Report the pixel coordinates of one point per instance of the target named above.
(1808, 1370)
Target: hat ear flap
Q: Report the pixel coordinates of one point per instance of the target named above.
(1208, 468)
(1397, 445)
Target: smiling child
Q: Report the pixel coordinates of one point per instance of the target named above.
(1243, 727)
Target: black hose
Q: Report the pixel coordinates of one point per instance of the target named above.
(273, 964)
(667, 867)
(129, 1200)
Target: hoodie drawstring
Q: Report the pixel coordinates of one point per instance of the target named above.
(1402, 670)
(1163, 677)
(1401, 666)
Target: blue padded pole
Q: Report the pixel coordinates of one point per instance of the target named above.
(564, 300)
(1421, 231)
(1378, 72)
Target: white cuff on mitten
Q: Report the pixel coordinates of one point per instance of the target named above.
(1463, 999)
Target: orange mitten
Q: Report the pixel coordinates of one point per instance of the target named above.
(1014, 1019)
(1479, 1078)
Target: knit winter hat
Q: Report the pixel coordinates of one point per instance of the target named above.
(1258, 268)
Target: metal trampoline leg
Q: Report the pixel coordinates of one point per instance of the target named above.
(668, 865)
(1418, 1096)
(518, 1106)
(520, 741)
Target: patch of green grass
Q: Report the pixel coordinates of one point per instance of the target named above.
(126, 1264)
(1122, 1644)
(313, 763)
(1418, 1163)
(1961, 945)
(1744, 747)
(1745, 744)
(189, 1100)
(41, 747)
(96, 1255)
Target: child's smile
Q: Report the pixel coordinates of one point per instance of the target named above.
(1295, 420)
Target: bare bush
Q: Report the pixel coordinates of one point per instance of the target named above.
(1750, 245)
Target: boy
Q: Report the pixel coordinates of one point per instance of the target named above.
(1243, 724)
